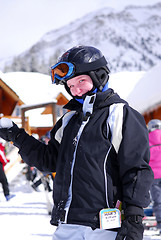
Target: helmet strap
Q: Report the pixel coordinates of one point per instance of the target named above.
(99, 77)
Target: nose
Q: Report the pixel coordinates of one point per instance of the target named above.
(75, 91)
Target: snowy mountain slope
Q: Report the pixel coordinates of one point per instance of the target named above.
(129, 39)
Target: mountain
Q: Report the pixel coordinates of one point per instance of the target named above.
(129, 39)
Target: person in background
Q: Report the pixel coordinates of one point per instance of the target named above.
(154, 128)
(44, 177)
(47, 137)
(99, 150)
(3, 178)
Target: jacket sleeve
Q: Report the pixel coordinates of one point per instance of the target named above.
(3, 158)
(133, 159)
(38, 154)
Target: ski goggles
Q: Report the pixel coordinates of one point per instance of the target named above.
(61, 72)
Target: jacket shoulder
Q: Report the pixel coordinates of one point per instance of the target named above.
(64, 121)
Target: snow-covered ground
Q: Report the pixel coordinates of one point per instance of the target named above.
(26, 216)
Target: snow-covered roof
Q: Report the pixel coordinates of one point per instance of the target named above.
(146, 94)
(142, 90)
(124, 82)
(33, 88)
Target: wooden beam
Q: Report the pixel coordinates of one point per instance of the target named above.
(34, 106)
(54, 113)
(8, 90)
(23, 118)
(1, 99)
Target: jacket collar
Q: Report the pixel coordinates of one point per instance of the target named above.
(103, 99)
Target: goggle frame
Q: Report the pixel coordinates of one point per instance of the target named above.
(61, 80)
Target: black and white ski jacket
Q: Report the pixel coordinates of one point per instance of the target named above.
(100, 152)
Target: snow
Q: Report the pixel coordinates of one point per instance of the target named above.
(140, 89)
(34, 88)
(146, 94)
(36, 119)
(27, 29)
(25, 216)
(124, 82)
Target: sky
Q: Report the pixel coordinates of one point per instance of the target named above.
(23, 23)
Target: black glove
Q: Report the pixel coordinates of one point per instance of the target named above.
(131, 228)
(9, 131)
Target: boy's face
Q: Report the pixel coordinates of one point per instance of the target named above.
(80, 85)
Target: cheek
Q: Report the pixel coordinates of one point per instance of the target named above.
(72, 90)
(89, 86)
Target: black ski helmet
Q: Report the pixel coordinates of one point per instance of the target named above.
(88, 60)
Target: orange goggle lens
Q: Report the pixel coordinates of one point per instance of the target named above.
(62, 71)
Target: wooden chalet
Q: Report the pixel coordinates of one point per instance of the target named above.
(145, 98)
(153, 113)
(8, 99)
(12, 106)
(50, 108)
